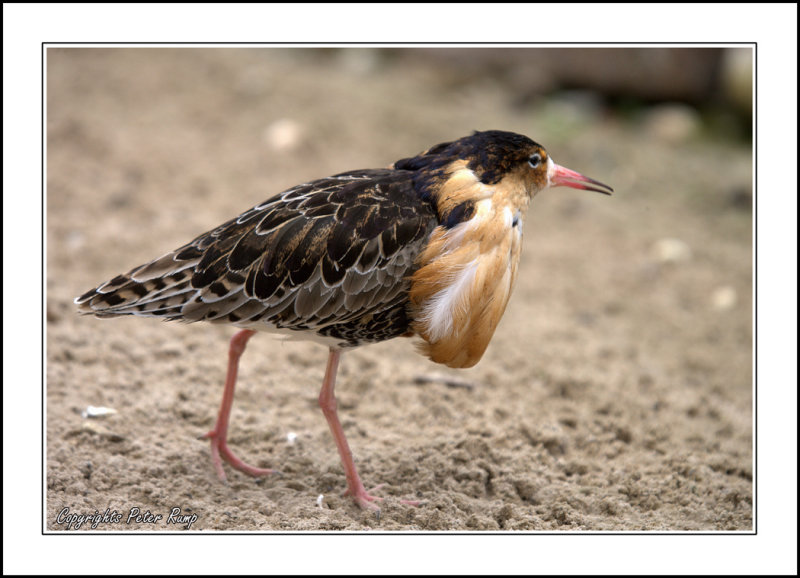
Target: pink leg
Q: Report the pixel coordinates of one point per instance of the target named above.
(219, 435)
(327, 401)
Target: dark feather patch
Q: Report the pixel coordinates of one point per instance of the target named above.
(389, 242)
(305, 257)
(274, 219)
(263, 286)
(86, 296)
(112, 299)
(188, 253)
(118, 280)
(159, 284)
(332, 274)
(246, 251)
(139, 289)
(218, 289)
(205, 278)
(277, 260)
(369, 255)
(235, 278)
(459, 214)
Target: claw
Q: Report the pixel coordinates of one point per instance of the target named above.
(220, 451)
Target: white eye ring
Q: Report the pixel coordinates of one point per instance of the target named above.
(535, 160)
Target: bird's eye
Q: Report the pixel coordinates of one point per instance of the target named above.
(535, 160)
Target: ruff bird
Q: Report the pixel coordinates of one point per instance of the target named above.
(428, 247)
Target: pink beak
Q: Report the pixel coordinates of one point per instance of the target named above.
(563, 177)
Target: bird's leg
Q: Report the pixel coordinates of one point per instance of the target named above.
(219, 435)
(327, 401)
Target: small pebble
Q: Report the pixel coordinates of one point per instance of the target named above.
(283, 135)
(670, 250)
(99, 430)
(723, 298)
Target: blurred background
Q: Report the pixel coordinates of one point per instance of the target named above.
(621, 373)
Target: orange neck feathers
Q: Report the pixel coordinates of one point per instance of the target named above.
(468, 268)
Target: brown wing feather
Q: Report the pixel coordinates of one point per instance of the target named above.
(332, 256)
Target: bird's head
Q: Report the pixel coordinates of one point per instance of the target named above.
(503, 161)
(497, 156)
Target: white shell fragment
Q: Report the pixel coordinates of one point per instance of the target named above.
(93, 411)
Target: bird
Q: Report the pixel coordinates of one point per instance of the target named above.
(426, 248)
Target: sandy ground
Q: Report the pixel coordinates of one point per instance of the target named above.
(616, 394)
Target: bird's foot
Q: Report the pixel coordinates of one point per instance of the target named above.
(365, 499)
(220, 451)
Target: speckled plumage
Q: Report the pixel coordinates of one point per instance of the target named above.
(427, 247)
(330, 258)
